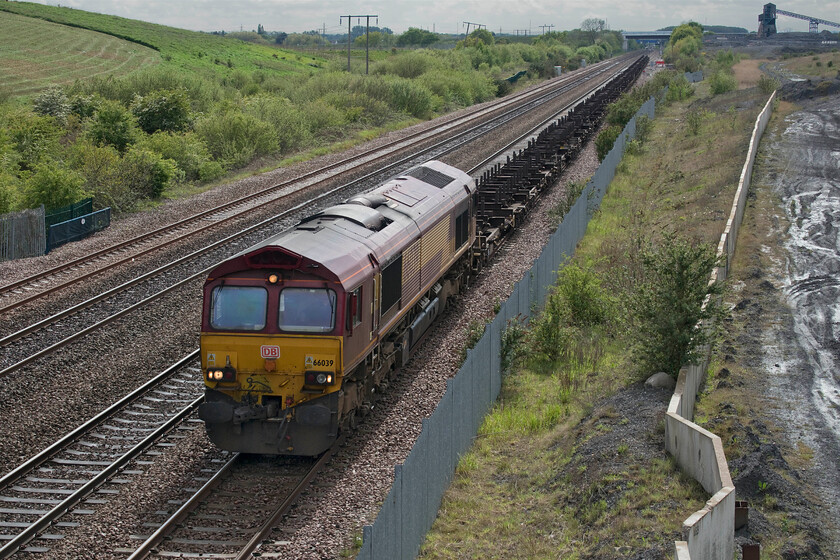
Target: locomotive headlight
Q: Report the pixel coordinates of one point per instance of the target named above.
(318, 378)
(322, 378)
(221, 374)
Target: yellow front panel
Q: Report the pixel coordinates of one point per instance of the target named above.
(271, 365)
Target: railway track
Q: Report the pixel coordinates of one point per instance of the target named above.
(212, 523)
(185, 544)
(62, 478)
(45, 336)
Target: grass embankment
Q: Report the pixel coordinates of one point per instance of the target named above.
(39, 53)
(179, 49)
(564, 466)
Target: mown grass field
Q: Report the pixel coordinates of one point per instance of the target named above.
(180, 49)
(553, 472)
(35, 54)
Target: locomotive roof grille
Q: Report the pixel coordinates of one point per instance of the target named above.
(274, 257)
(430, 176)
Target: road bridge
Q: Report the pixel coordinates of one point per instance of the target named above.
(653, 38)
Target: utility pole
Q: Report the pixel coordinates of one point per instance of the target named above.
(367, 37)
(544, 26)
(477, 26)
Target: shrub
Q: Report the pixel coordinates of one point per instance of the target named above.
(101, 167)
(52, 186)
(147, 174)
(31, 138)
(679, 89)
(605, 141)
(667, 304)
(644, 126)
(283, 125)
(767, 85)
(414, 99)
(85, 106)
(164, 110)
(694, 120)
(722, 82)
(186, 150)
(234, 138)
(113, 125)
(52, 102)
(8, 189)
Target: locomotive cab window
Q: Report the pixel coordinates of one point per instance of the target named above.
(306, 310)
(356, 306)
(238, 308)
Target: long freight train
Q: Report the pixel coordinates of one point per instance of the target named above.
(299, 333)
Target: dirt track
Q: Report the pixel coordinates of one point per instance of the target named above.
(779, 406)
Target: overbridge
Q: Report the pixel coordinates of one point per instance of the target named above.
(653, 38)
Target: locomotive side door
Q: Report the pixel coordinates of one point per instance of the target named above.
(375, 295)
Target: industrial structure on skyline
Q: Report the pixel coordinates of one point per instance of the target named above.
(767, 20)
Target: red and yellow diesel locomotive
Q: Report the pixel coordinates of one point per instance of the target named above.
(300, 332)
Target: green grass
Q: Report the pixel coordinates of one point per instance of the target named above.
(531, 487)
(38, 53)
(180, 49)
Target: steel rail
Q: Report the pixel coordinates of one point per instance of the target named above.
(80, 494)
(522, 97)
(28, 330)
(186, 508)
(45, 455)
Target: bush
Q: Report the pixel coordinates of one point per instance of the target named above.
(578, 302)
(767, 85)
(31, 138)
(113, 125)
(186, 150)
(52, 186)
(164, 110)
(722, 82)
(53, 102)
(412, 98)
(605, 141)
(667, 304)
(8, 189)
(234, 138)
(283, 125)
(679, 89)
(147, 174)
(101, 167)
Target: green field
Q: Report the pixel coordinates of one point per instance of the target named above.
(74, 39)
(36, 53)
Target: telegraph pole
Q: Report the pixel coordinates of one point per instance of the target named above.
(367, 37)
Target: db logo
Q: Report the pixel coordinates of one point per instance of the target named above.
(270, 352)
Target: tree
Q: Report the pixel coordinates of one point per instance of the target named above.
(415, 36)
(668, 303)
(280, 37)
(593, 26)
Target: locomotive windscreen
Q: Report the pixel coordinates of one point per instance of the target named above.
(238, 308)
(307, 310)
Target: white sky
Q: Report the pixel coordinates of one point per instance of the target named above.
(448, 16)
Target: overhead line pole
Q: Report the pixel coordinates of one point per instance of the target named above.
(367, 37)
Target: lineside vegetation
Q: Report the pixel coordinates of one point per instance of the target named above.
(562, 468)
(214, 107)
